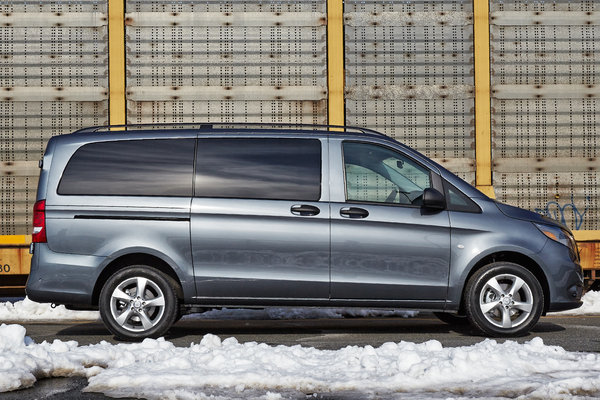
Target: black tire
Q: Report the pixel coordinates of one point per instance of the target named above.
(503, 299)
(140, 317)
(452, 319)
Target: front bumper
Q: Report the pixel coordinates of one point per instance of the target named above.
(565, 277)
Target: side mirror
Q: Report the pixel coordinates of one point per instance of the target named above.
(433, 199)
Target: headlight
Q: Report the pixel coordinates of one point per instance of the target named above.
(561, 236)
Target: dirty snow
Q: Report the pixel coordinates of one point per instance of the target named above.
(157, 369)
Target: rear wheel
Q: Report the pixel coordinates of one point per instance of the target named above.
(503, 299)
(138, 302)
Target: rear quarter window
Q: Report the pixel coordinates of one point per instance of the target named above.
(259, 168)
(156, 167)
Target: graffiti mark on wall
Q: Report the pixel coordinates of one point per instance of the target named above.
(561, 213)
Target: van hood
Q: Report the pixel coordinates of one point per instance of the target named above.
(526, 215)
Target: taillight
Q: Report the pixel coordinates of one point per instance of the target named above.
(39, 222)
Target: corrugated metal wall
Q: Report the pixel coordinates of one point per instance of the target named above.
(250, 61)
(409, 74)
(545, 65)
(53, 79)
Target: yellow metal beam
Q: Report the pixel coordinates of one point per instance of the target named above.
(483, 137)
(587, 236)
(116, 61)
(335, 61)
(14, 239)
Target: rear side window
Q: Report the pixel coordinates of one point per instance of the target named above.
(157, 167)
(261, 168)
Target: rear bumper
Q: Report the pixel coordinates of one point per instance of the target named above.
(71, 300)
(62, 278)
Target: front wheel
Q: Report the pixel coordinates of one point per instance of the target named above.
(138, 302)
(503, 299)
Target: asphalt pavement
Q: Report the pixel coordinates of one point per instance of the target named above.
(574, 333)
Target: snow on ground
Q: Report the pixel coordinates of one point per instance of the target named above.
(27, 310)
(216, 369)
(156, 369)
(591, 305)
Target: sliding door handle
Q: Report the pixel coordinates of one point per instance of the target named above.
(305, 210)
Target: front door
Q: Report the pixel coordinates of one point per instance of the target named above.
(260, 219)
(384, 244)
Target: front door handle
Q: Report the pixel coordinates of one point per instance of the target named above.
(305, 210)
(354, 212)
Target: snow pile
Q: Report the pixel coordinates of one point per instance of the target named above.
(591, 305)
(156, 369)
(27, 310)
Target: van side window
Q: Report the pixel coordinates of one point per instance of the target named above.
(380, 175)
(153, 167)
(259, 168)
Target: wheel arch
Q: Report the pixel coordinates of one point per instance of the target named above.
(137, 258)
(517, 258)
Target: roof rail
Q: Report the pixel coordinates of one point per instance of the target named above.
(208, 126)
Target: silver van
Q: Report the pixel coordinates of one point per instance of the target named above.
(148, 222)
